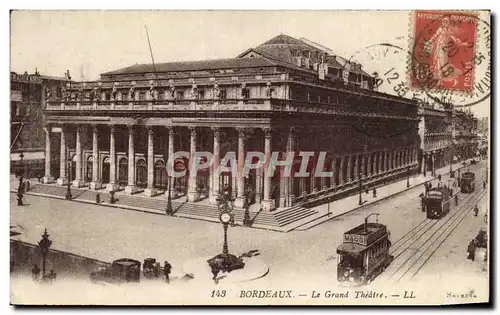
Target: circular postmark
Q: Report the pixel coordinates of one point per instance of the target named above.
(450, 57)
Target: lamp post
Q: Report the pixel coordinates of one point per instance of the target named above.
(408, 176)
(68, 187)
(360, 187)
(20, 188)
(169, 210)
(246, 218)
(44, 245)
(225, 262)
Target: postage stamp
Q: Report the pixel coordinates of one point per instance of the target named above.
(444, 50)
(249, 163)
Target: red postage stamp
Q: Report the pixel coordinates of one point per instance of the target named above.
(443, 50)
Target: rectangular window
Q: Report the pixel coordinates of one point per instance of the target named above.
(223, 94)
(180, 95)
(201, 94)
(142, 96)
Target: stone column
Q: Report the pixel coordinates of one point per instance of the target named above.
(78, 180)
(341, 171)
(258, 185)
(96, 183)
(356, 167)
(48, 156)
(63, 179)
(131, 188)
(349, 167)
(112, 185)
(150, 190)
(369, 168)
(214, 193)
(267, 202)
(380, 162)
(240, 179)
(171, 134)
(193, 195)
(334, 172)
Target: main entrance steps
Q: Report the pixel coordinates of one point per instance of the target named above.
(282, 220)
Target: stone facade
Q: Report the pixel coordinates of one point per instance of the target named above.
(120, 131)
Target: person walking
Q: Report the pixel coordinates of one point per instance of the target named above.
(167, 268)
(35, 272)
(471, 250)
(476, 210)
(456, 200)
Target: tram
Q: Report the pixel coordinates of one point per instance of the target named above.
(437, 202)
(364, 253)
(467, 184)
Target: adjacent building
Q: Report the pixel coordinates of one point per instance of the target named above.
(27, 142)
(436, 135)
(285, 95)
(465, 128)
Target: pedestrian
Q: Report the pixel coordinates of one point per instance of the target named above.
(39, 179)
(476, 210)
(456, 200)
(485, 218)
(97, 198)
(52, 276)
(374, 193)
(471, 250)
(167, 267)
(439, 177)
(35, 272)
(27, 185)
(484, 185)
(112, 197)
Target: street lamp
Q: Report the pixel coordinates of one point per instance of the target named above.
(246, 218)
(68, 187)
(169, 210)
(360, 187)
(44, 245)
(225, 262)
(408, 176)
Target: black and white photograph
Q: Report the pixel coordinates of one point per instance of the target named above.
(250, 157)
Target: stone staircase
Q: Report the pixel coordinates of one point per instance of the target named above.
(280, 220)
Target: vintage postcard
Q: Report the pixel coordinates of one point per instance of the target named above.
(250, 157)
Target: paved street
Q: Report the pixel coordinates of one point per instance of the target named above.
(107, 234)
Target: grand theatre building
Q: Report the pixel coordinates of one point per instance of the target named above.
(285, 95)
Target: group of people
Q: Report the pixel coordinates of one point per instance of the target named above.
(35, 273)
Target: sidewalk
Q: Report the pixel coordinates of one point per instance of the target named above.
(343, 206)
(323, 213)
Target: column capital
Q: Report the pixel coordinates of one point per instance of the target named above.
(150, 130)
(241, 132)
(131, 129)
(267, 132)
(94, 128)
(192, 130)
(171, 130)
(216, 131)
(112, 128)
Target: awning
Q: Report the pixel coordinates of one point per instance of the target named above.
(351, 248)
(39, 155)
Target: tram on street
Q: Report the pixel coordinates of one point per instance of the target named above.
(467, 184)
(437, 202)
(364, 253)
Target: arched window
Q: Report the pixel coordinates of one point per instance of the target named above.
(123, 172)
(160, 175)
(88, 177)
(142, 174)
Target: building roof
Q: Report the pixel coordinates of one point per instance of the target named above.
(196, 65)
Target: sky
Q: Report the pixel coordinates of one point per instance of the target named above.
(88, 43)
